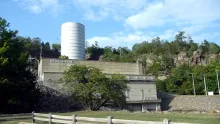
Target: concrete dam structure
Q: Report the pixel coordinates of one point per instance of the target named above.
(142, 95)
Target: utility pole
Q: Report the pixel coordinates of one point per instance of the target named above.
(120, 52)
(40, 51)
(142, 94)
(194, 90)
(217, 81)
(142, 98)
(205, 85)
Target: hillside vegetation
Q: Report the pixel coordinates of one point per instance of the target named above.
(176, 60)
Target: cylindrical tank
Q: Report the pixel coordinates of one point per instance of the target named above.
(73, 40)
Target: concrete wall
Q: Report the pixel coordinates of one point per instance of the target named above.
(141, 91)
(137, 83)
(56, 65)
(138, 90)
(51, 80)
(143, 107)
(149, 106)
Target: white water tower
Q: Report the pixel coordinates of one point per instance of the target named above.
(73, 40)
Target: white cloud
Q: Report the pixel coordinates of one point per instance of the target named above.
(176, 12)
(101, 9)
(149, 17)
(193, 11)
(129, 39)
(39, 6)
(120, 39)
(168, 34)
(194, 29)
(212, 37)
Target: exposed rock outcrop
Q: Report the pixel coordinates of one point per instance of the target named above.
(212, 57)
(197, 58)
(181, 59)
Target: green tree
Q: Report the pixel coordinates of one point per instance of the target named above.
(204, 47)
(95, 51)
(167, 62)
(142, 48)
(210, 76)
(155, 68)
(17, 84)
(193, 47)
(47, 46)
(92, 88)
(166, 48)
(180, 80)
(214, 48)
(108, 54)
(161, 85)
(56, 47)
(156, 46)
(180, 41)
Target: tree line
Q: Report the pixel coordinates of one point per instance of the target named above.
(182, 78)
(18, 92)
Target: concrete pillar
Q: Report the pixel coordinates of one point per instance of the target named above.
(142, 107)
(158, 108)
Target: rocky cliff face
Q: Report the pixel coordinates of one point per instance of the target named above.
(197, 58)
(181, 59)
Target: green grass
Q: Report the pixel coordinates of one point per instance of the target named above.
(188, 118)
(14, 119)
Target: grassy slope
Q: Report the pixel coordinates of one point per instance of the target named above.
(192, 118)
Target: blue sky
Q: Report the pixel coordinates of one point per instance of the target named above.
(115, 22)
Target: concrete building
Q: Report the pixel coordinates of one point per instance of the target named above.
(142, 95)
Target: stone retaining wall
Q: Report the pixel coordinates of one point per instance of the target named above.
(189, 102)
(195, 103)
